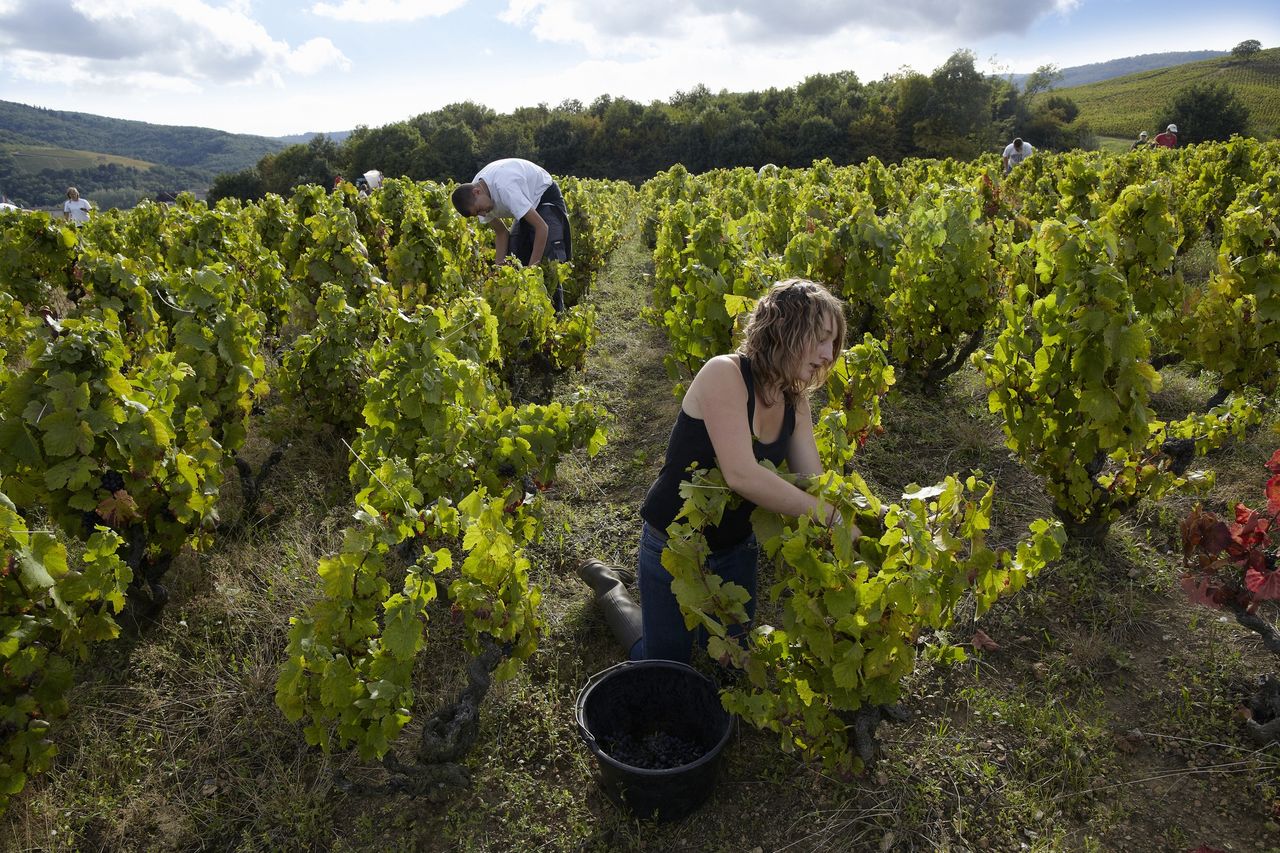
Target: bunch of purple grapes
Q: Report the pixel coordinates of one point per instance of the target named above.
(655, 751)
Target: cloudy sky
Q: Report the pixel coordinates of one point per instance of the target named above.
(277, 68)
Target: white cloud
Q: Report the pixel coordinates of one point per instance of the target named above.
(316, 55)
(608, 27)
(158, 45)
(377, 11)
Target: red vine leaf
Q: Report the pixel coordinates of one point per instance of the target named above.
(1273, 464)
(1250, 531)
(119, 509)
(1263, 584)
(1273, 495)
(1204, 533)
(1201, 590)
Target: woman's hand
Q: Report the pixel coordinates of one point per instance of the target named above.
(834, 520)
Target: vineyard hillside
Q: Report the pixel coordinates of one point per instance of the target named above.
(36, 158)
(1125, 105)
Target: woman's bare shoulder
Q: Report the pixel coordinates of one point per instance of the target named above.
(720, 364)
(718, 377)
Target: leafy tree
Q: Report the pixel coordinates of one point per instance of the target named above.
(739, 144)
(559, 146)
(1246, 49)
(656, 141)
(245, 185)
(507, 139)
(1061, 107)
(1043, 79)
(1008, 106)
(958, 121)
(613, 147)
(1048, 126)
(314, 163)
(873, 133)
(913, 93)
(817, 138)
(389, 149)
(475, 116)
(838, 97)
(695, 99)
(1205, 112)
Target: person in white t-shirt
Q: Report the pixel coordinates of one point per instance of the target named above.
(75, 209)
(525, 193)
(1015, 152)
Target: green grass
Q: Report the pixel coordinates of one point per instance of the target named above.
(1122, 106)
(1114, 144)
(34, 158)
(1103, 722)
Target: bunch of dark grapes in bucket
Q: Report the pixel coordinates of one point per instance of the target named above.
(656, 751)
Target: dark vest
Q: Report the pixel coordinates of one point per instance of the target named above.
(690, 445)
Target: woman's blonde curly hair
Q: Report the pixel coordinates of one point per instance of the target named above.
(787, 319)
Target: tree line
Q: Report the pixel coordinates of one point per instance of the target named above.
(956, 111)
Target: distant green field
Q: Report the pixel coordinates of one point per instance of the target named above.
(33, 158)
(1114, 144)
(1123, 106)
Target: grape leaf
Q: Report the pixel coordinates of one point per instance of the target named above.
(1263, 584)
(118, 509)
(1201, 590)
(1273, 494)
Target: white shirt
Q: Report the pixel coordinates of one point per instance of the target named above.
(1015, 156)
(515, 186)
(79, 209)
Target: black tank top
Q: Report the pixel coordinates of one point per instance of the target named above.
(690, 445)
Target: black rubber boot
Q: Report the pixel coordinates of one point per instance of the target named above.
(620, 611)
(602, 577)
(622, 615)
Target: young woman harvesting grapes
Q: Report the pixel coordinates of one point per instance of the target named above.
(742, 409)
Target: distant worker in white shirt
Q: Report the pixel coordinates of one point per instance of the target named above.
(525, 193)
(75, 209)
(1015, 152)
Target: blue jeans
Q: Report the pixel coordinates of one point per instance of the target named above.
(665, 636)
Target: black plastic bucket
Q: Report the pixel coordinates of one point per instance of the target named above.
(639, 698)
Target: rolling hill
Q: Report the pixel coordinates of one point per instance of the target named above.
(1079, 75)
(118, 161)
(168, 145)
(1124, 105)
